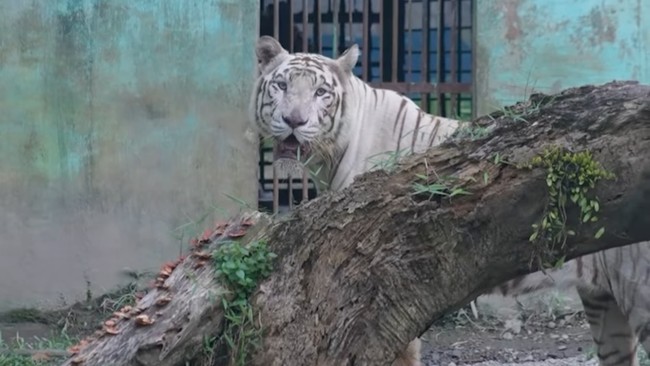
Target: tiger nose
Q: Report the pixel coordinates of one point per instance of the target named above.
(294, 122)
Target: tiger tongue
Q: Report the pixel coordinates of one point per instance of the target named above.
(285, 151)
(288, 148)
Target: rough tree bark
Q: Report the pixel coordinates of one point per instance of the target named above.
(362, 272)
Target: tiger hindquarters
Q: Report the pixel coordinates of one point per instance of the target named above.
(614, 288)
(616, 341)
(411, 355)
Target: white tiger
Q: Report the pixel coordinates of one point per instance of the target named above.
(318, 112)
(316, 103)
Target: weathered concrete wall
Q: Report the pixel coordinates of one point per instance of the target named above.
(550, 45)
(119, 120)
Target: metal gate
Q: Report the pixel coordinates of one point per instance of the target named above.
(420, 48)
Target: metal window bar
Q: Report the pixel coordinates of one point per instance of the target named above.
(420, 48)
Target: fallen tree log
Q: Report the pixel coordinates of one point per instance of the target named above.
(361, 272)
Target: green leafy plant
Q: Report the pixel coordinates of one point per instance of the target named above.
(443, 186)
(438, 189)
(498, 160)
(36, 352)
(241, 269)
(468, 130)
(644, 358)
(569, 178)
(530, 106)
(387, 160)
(313, 173)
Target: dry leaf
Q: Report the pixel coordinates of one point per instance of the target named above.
(237, 233)
(200, 263)
(121, 315)
(165, 272)
(162, 285)
(110, 323)
(205, 238)
(143, 320)
(163, 300)
(125, 309)
(111, 330)
(77, 360)
(169, 265)
(202, 254)
(221, 224)
(248, 222)
(74, 349)
(40, 357)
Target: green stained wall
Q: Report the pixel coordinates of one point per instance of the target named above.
(119, 120)
(550, 45)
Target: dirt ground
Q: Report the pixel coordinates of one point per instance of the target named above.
(541, 331)
(539, 340)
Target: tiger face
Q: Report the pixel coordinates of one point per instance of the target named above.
(298, 98)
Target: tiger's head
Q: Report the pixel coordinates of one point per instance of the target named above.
(298, 99)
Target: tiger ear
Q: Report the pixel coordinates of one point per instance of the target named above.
(349, 58)
(268, 49)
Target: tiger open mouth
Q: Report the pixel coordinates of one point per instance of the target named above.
(289, 148)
